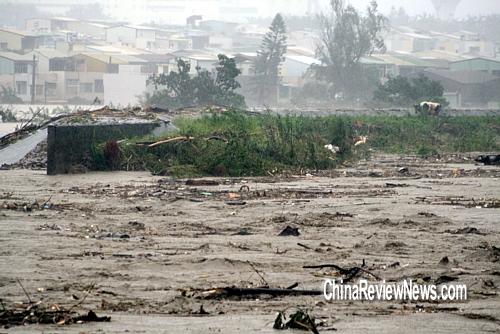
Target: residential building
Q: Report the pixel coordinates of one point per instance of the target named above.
(408, 41)
(15, 40)
(197, 59)
(477, 89)
(157, 63)
(136, 36)
(491, 66)
(464, 43)
(37, 25)
(16, 72)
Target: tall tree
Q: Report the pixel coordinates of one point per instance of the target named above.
(269, 58)
(347, 36)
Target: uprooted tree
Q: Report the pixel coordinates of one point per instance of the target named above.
(347, 36)
(266, 66)
(181, 89)
(404, 92)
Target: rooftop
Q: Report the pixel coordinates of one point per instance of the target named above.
(156, 58)
(136, 27)
(51, 53)
(18, 32)
(304, 60)
(15, 56)
(478, 58)
(115, 49)
(441, 55)
(465, 77)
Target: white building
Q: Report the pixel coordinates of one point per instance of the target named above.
(136, 36)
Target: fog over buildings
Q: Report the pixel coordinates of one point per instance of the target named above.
(177, 10)
(105, 52)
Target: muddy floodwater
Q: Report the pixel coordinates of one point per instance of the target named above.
(151, 248)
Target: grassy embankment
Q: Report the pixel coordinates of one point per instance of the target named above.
(235, 144)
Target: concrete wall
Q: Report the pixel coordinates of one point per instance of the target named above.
(71, 145)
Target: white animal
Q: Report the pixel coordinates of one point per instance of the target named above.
(360, 140)
(332, 148)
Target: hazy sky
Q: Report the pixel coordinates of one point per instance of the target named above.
(139, 11)
(465, 8)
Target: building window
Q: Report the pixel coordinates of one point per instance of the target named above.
(98, 86)
(72, 86)
(20, 68)
(86, 87)
(62, 64)
(21, 87)
(50, 88)
(3, 46)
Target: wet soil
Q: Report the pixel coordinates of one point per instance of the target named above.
(151, 245)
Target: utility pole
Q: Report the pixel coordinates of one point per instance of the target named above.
(33, 80)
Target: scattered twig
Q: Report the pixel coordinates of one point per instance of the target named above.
(84, 297)
(46, 202)
(26, 293)
(218, 138)
(258, 273)
(170, 140)
(304, 246)
(334, 266)
(349, 274)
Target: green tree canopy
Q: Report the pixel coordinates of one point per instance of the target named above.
(180, 89)
(403, 92)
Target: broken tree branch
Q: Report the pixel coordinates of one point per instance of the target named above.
(303, 246)
(84, 297)
(349, 274)
(233, 291)
(26, 293)
(334, 266)
(258, 273)
(170, 140)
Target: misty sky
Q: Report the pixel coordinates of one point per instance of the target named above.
(465, 8)
(139, 11)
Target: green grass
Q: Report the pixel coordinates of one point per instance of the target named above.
(427, 135)
(258, 145)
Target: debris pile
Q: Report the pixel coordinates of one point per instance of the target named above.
(300, 319)
(39, 313)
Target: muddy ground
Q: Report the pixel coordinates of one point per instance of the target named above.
(150, 245)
